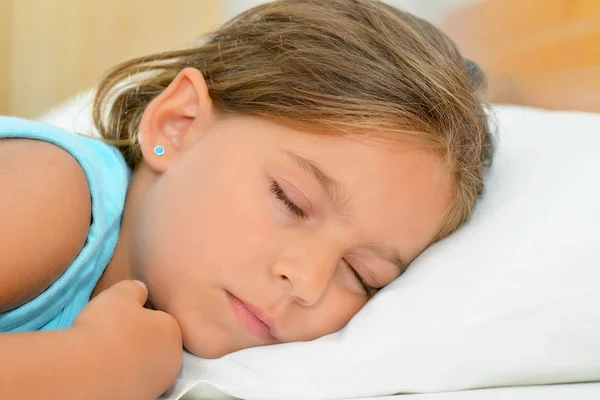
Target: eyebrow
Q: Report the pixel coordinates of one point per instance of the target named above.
(391, 255)
(333, 189)
(335, 193)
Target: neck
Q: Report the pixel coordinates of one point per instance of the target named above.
(120, 266)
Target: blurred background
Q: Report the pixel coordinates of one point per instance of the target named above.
(543, 53)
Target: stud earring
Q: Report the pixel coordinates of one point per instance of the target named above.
(159, 150)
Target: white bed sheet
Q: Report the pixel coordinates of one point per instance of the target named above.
(572, 391)
(579, 391)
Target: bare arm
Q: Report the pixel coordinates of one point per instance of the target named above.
(116, 349)
(45, 214)
(45, 211)
(59, 364)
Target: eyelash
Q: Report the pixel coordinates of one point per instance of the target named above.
(369, 290)
(299, 212)
(280, 195)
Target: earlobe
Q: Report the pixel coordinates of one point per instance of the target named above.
(174, 119)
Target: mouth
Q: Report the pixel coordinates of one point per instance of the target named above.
(251, 318)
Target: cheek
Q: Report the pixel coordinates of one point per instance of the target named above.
(162, 244)
(336, 310)
(203, 230)
(233, 232)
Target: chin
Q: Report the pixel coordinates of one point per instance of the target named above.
(208, 350)
(208, 353)
(206, 344)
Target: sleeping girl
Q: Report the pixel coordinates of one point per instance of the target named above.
(257, 189)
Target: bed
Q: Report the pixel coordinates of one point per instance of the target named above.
(582, 391)
(507, 308)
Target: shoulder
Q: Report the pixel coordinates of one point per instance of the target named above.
(45, 209)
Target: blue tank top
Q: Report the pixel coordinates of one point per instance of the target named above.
(108, 177)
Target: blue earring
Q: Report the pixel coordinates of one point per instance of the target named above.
(159, 150)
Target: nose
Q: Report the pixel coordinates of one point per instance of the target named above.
(306, 276)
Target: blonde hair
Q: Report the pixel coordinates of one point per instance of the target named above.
(325, 66)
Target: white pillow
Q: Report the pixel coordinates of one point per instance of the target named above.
(513, 298)
(74, 115)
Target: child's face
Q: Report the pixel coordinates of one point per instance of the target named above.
(258, 218)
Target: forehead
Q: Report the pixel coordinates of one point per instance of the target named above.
(400, 192)
(397, 191)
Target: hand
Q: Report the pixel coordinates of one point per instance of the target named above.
(142, 346)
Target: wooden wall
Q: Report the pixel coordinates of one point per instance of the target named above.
(52, 49)
(5, 54)
(544, 53)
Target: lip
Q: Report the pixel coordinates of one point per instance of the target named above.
(252, 318)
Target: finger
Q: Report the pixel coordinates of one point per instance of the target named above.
(135, 290)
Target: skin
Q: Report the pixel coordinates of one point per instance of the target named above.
(202, 221)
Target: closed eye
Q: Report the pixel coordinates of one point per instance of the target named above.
(369, 290)
(281, 196)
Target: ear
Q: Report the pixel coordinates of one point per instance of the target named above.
(175, 118)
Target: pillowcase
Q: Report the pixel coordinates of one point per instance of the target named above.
(512, 298)
(74, 115)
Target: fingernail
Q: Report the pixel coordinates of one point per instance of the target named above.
(142, 284)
